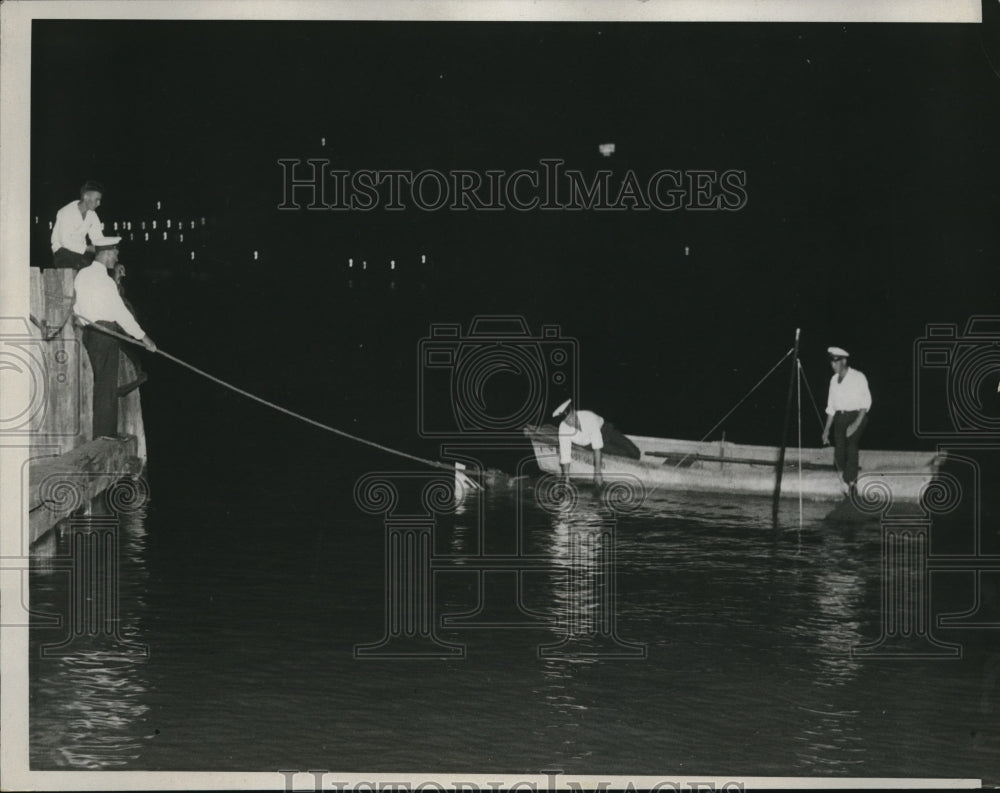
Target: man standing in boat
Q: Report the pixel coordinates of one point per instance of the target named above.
(586, 428)
(847, 413)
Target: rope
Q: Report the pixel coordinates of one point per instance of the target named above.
(733, 408)
(798, 396)
(819, 416)
(43, 326)
(279, 408)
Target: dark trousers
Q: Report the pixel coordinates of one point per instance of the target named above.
(67, 258)
(103, 352)
(845, 450)
(616, 443)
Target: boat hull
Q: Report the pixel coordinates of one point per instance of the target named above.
(740, 469)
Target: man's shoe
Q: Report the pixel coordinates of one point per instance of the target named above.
(128, 388)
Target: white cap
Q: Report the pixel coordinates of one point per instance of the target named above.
(101, 243)
(562, 408)
(838, 352)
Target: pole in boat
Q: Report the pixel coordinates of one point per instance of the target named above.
(784, 429)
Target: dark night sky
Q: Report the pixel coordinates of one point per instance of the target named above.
(859, 141)
(870, 153)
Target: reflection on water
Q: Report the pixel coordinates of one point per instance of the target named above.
(582, 545)
(88, 692)
(680, 633)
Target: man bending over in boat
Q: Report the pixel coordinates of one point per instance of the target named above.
(847, 412)
(586, 428)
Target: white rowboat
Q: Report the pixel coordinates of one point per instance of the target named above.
(742, 469)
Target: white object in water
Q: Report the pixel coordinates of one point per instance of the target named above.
(463, 485)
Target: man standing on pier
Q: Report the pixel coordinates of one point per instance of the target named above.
(847, 412)
(99, 304)
(74, 223)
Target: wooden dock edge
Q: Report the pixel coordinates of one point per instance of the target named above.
(61, 485)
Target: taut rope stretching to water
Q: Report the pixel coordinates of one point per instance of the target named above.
(292, 413)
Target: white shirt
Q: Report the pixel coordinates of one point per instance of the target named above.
(589, 434)
(97, 299)
(71, 228)
(850, 394)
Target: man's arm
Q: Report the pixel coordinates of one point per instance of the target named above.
(115, 309)
(853, 426)
(597, 444)
(565, 453)
(94, 230)
(826, 429)
(56, 237)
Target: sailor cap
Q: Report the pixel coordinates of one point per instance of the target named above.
(106, 243)
(562, 408)
(838, 352)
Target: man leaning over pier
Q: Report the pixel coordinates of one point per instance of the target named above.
(99, 303)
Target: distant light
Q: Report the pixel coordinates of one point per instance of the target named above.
(164, 236)
(192, 255)
(606, 149)
(255, 257)
(322, 141)
(423, 258)
(392, 264)
(182, 237)
(192, 224)
(147, 236)
(364, 265)
(687, 250)
(144, 224)
(350, 262)
(131, 236)
(116, 225)
(168, 222)
(36, 220)
(203, 221)
(154, 225)
(392, 284)
(157, 204)
(50, 224)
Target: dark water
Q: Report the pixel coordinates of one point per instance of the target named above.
(251, 609)
(250, 575)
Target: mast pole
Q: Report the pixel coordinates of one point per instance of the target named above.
(784, 429)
